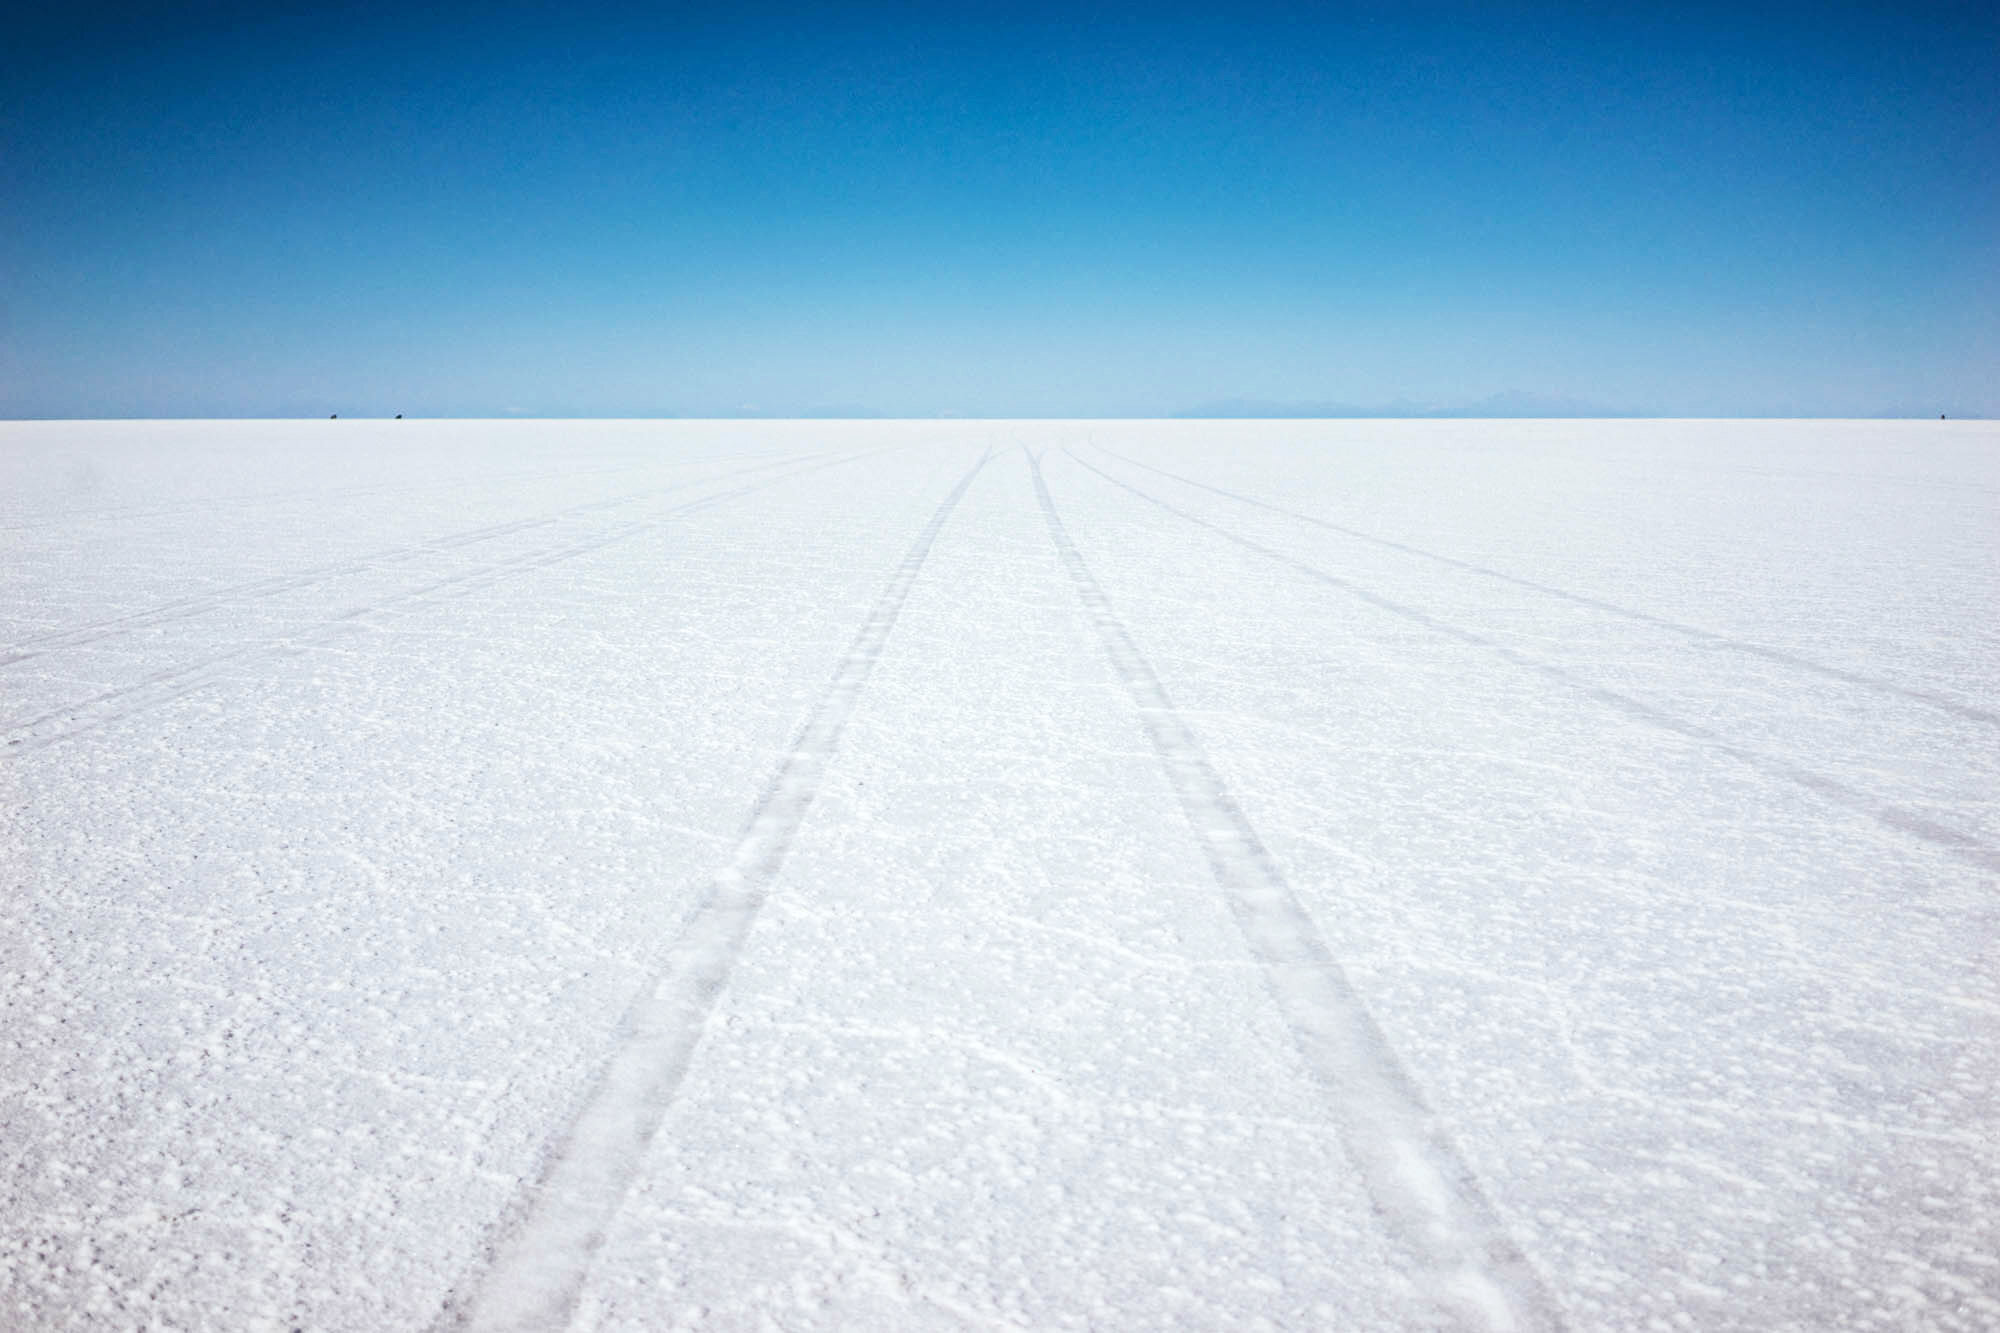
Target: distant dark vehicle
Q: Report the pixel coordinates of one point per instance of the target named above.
(334, 417)
(399, 416)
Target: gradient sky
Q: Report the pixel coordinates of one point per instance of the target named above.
(213, 210)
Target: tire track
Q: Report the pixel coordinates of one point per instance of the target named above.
(162, 687)
(186, 608)
(1423, 1188)
(1963, 846)
(1957, 708)
(537, 1272)
(236, 504)
(1954, 488)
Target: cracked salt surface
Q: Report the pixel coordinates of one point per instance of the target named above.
(1634, 784)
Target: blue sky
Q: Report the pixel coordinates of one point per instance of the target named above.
(217, 210)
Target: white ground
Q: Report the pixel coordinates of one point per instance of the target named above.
(1307, 875)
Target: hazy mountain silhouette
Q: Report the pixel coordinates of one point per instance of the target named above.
(1511, 403)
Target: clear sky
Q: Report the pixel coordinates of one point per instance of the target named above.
(218, 210)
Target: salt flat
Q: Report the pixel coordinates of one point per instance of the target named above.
(1357, 874)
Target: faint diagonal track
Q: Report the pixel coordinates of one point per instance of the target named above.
(1956, 707)
(161, 687)
(317, 497)
(538, 1269)
(1416, 1176)
(1961, 845)
(187, 608)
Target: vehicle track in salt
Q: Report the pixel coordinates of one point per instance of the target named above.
(162, 687)
(187, 608)
(1962, 846)
(1957, 708)
(537, 1269)
(238, 503)
(1422, 1186)
(1956, 489)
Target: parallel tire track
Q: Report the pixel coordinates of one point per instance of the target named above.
(164, 686)
(238, 503)
(187, 608)
(538, 1270)
(1963, 846)
(1956, 707)
(1422, 1186)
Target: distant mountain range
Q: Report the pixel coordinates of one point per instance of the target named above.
(1510, 404)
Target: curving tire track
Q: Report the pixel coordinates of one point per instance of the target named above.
(1956, 707)
(1960, 845)
(239, 503)
(537, 1271)
(162, 687)
(187, 608)
(1422, 1186)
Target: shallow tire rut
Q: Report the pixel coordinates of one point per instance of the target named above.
(162, 687)
(1422, 1186)
(1901, 822)
(537, 1273)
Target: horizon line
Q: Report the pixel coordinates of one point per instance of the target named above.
(958, 417)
